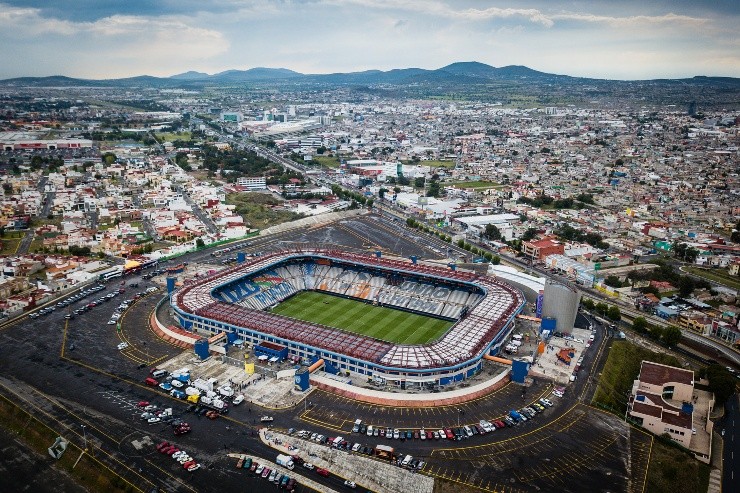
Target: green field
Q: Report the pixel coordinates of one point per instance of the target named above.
(382, 323)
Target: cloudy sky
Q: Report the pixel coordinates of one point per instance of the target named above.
(617, 39)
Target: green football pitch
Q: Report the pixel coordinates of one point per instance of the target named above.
(382, 323)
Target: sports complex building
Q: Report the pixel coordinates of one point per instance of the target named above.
(238, 300)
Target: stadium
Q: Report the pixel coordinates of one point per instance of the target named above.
(394, 320)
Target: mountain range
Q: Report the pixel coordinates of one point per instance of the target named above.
(456, 73)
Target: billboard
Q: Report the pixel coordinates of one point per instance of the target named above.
(538, 304)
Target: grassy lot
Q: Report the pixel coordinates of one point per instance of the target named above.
(620, 371)
(672, 469)
(257, 209)
(329, 162)
(88, 472)
(717, 275)
(9, 246)
(173, 136)
(36, 244)
(382, 323)
(474, 184)
(434, 163)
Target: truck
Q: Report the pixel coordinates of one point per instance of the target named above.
(194, 398)
(285, 461)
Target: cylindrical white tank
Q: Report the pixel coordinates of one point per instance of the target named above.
(561, 303)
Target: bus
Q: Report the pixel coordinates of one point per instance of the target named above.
(109, 274)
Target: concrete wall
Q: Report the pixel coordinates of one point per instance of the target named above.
(412, 400)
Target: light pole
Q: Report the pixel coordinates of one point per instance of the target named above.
(84, 436)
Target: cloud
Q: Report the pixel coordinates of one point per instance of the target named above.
(666, 19)
(111, 39)
(441, 9)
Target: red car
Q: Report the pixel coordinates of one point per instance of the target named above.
(322, 472)
(143, 403)
(151, 382)
(449, 434)
(181, 430)
(188, 464)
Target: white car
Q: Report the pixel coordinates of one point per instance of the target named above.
(307, 465)
(238, 400)
(153, 420)
(349, 484)
(194, 467)
(122, 346)
(266, 419)
(176, 383)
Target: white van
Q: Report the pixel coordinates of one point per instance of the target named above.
(406, 460)
(159, 373)
(370, 430)
(516, 337)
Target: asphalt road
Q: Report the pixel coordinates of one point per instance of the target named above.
(730, 424)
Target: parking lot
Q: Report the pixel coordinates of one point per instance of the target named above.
(338, 413)
(97, 384)
(580, 450)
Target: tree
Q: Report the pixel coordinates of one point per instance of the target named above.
(460, 243)
(529, 234)
(588, 303)
(656, 332)
(496, 260)
(419, 182)
(199, 243)
(613, 282)
(671, 335)
(690, 255)
(433, 190)
(492, 232)
(735, 236)
(685, 286)
(721, 382)
(36, 162)
(640, 325)
(602, 308)
(613, 313)
(108, 158)
(382, 192)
